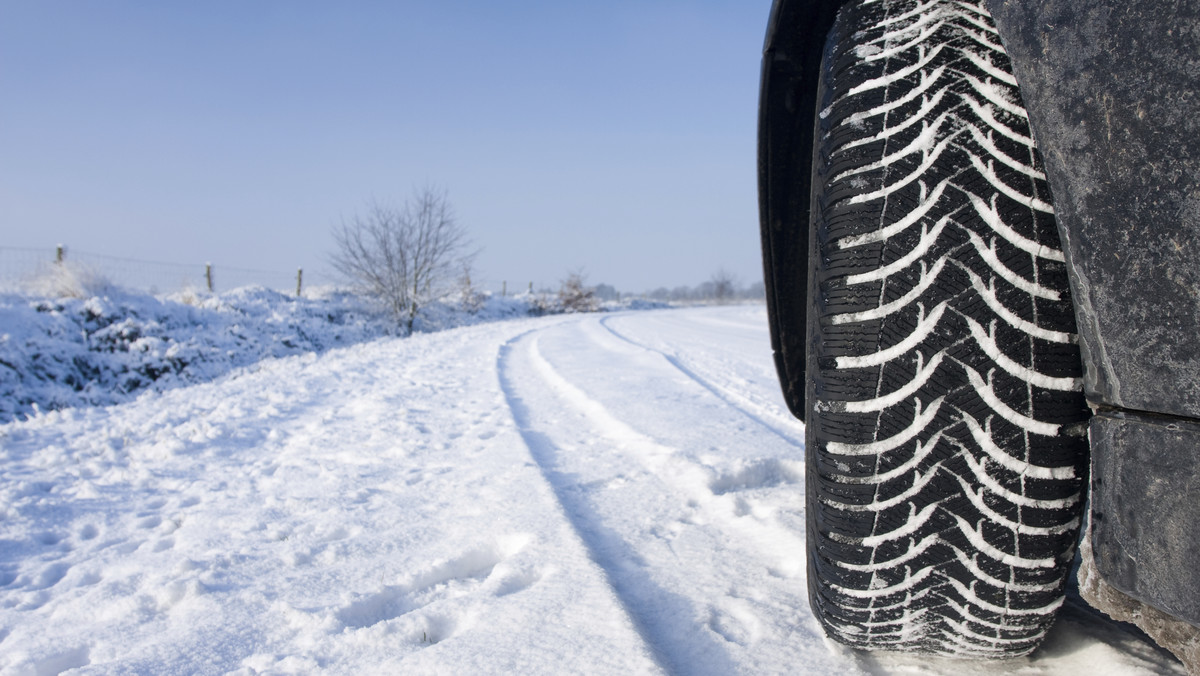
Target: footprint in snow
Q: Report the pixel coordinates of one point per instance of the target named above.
(54, 663)
(90, 578)
(744, 506)
(517, 580)
(735, 621)
(372, 609)
(51, 575)
(335, 534)
(758, 474)
(48, 539)
(480, 570)
(438, 627)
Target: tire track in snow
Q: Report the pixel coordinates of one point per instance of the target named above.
(702, 481)
(738, 401)
(606, 547)
(670, 531)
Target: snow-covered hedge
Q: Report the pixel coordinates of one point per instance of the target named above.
(77, 351)
(56, 353)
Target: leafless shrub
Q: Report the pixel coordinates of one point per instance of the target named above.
(575, 296)
(472, 299)
(403, 256)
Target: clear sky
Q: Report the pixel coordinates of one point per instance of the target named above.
(615, 136)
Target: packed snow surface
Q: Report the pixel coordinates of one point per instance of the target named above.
(618, 493)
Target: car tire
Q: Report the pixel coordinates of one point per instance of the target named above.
(946, 426)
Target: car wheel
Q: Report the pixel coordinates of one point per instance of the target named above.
(946, 429)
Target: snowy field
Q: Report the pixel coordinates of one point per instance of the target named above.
(616, 493)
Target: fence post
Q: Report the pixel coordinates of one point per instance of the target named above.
(208, 275)
(299, 279)
(58, 254)
(531, 288)
(503, 289)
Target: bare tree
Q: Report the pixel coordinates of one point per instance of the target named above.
(405, 257)
(723, 286)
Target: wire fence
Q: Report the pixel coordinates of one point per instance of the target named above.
(27, 269)
(22, 268)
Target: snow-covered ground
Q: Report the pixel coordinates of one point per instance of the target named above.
(605, 494)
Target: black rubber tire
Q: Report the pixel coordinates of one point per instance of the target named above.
(946, 430)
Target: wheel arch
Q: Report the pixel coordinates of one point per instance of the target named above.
(791, 68)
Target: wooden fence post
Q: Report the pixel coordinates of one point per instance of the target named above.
(208, 275)
(503, 289)
(58, 254)
(299, 279)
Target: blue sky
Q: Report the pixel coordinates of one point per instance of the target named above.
(615, 137)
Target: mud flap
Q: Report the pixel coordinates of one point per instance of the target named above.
(787, 108)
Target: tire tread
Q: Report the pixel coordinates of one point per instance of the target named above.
(903, 452)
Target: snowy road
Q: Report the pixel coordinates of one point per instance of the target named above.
(602, 494)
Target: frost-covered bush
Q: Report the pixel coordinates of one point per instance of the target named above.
(68, 279)
(472, 300)
(450, 313)
(575, 296)
(539, 304)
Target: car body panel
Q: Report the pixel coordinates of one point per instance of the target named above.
(1113, 94)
